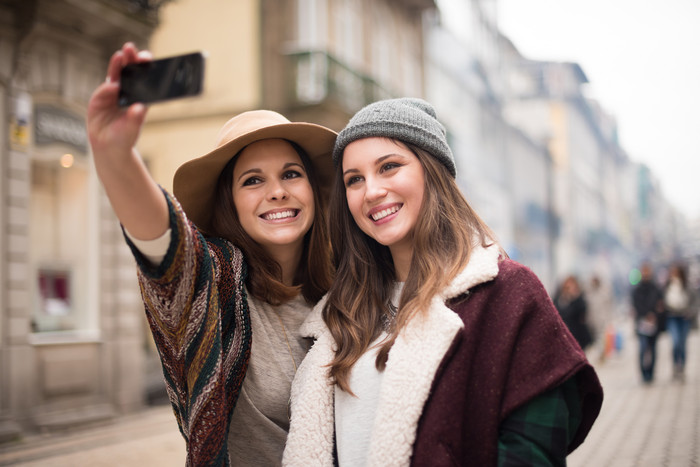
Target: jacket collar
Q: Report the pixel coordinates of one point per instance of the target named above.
(482, 267)
(406, 382)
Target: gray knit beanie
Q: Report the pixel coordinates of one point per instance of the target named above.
(406, 119)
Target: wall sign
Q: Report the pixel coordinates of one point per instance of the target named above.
(55, 125)
(20, 118)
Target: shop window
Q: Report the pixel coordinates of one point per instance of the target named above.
(58, 236)
(55, 310)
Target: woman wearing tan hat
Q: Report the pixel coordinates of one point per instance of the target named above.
(229, 267)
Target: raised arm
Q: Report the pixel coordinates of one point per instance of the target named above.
(113, 131)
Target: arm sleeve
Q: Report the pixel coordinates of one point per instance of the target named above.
(196, 306)
(186, 274)
(153, 250)
(539, 432)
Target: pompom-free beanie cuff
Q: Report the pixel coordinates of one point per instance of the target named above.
(410, 120)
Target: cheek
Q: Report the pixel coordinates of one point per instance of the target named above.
(242, 204)
(354, 205)
(305, 194)
(415, 188)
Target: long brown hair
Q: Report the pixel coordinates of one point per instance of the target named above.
(315, 273)
(443, 239)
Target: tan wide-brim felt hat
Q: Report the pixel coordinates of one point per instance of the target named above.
(194, 184)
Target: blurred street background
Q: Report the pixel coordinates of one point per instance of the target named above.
(538, 153)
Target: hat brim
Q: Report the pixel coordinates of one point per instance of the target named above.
(194, 183)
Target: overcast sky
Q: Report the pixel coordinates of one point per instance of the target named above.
(643, 63)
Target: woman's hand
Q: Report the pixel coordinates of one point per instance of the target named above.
(113, 131)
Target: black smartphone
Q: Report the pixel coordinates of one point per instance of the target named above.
(162, 79)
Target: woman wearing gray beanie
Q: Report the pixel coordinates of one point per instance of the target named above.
(432, 347)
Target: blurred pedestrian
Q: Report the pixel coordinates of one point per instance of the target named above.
(647, 300)
(573, 309)
(599, 309)
(679, 304)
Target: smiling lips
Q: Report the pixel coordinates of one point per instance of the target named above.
(379, 215)
(277, 215)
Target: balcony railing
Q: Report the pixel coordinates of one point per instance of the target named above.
(317, 76)
(143, 5)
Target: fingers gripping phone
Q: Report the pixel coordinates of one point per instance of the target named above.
(161, 80)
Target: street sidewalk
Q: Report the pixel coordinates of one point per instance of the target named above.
(149, 438)
(654, 425)
(639, 425)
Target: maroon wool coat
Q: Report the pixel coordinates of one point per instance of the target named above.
(496, 364)
(488, 344)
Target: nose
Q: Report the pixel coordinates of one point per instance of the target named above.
(277, 192)
(374, 189)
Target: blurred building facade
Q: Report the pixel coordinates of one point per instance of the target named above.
(537, 159)
(71, 322)
(504, 172)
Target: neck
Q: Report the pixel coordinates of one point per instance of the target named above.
(288, 257)
(402, 255)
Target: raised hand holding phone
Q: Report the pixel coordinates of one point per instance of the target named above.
(113, 131)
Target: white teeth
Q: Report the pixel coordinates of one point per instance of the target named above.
(279, 215)
(383, 213)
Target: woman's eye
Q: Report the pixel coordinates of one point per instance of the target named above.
(352, 180)
(291, 174)
(389, 166)
(251, 181)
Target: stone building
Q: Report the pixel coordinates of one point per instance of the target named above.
(71, 330)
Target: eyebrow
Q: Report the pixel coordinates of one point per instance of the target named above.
(378, 161)
(257, 170)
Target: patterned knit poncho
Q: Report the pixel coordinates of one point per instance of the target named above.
(197, 310)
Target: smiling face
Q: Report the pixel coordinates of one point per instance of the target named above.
(384, 185)
(272, 195)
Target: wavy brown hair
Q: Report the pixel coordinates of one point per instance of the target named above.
(443, 239)
(315, 273)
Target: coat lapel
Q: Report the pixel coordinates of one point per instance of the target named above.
(411, 366)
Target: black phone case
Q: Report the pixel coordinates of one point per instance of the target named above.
(161, 80)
